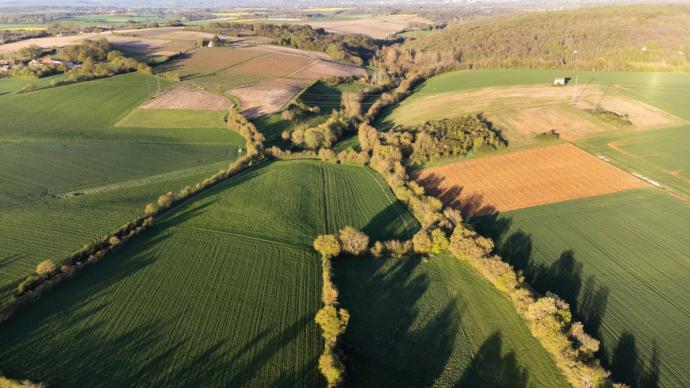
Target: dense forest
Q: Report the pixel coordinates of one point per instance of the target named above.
(644, 37)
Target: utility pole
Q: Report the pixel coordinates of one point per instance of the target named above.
(596, 104)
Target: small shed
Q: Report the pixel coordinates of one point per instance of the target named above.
(561, 81)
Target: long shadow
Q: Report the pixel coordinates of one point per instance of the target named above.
(472, 204)
(490, 368)
(389, 341)
(387, 224)
(627, 366)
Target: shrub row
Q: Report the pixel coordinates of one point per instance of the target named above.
(331, 318)
(548, 317)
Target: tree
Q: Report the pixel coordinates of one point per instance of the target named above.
(353, 241)
(422, 242)
(333, 322)
(46, 267)
(287, 115)
(113, 241)
(439, 242)
(327, 245)
(165, 200)
(150, 209)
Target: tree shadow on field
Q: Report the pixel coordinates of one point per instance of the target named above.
(472, 204)
(564, 276)
(388, 224)
(390, 341)
(490, 368)
(628, 368)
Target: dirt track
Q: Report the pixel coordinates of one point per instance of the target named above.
(524, 179)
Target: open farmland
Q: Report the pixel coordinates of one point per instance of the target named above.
(523, 179)
(71, 175)
(222, 292)
(187, 97)
(252, 76)
(525, 111)
(661, 154)
(621, 261)
(439, 323)
(378, 27)
(129, 44)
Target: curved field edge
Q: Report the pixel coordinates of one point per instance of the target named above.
(222, 291)
(435, 323)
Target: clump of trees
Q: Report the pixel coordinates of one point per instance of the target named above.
(456, 137)
(9, 383)
(321, 136)
(353, 241)
(547, 136)
(356, 49)
(619, 120)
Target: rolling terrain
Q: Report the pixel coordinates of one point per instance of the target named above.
(226, 287)
(66, 165)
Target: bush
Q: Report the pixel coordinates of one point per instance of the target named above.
(378, 249)
(353, 241)
(422, 242)
(331, 368)
(327, 245)
(45, 268)
(165, 200)
(150, 209)
(439, 242)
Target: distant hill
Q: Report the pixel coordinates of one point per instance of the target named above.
(641, 37)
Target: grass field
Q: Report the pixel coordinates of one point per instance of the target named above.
(173, 118)
(659, 154)
(621, 260)
(13, 85)
(435, 324)
(223, 292)
(71, 175)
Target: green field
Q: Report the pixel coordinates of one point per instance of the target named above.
(661, 154)
(621, 260)
(173, 118)
(13, 85)
(439, 323)
(71, 175)
(221, 293)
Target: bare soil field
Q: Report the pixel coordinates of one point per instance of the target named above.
(378, 27)
(319, 69)
(213, 59)
(272, 65)
(524, 111)
(135, 44)
(267, 96)
(185, 96)
(524, 179)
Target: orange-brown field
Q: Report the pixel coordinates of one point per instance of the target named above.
(185, 96)
(524, 179)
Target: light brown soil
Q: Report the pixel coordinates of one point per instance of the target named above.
(524, 111)
(376, 27)
(267, 96)
(185, 96)
(524, 179)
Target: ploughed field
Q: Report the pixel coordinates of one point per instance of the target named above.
(621, 261)
(70, 173)
(222, 292)
(525, 178)
(437, 323)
